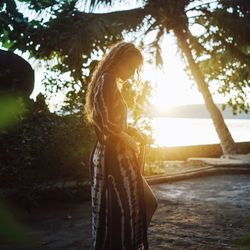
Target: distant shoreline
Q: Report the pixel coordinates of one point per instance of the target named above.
(193, 111)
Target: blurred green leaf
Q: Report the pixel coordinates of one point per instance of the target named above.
(11, 110)
(10, 229)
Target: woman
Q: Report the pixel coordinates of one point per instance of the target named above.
(118, 206)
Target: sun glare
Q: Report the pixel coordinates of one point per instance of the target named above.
(171, 85)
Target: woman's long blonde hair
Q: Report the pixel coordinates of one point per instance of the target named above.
(116, 53)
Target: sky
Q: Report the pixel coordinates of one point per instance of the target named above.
(172, 87)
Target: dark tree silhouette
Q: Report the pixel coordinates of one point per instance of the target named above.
(220, 54)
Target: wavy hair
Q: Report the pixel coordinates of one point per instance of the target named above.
(107, 64)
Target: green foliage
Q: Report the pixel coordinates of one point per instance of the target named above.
(11, 109)
(94, 3)
(71, 38)
(68, 40)
(10, 230)
(222, 51)
(44, 148)
(39, 5)
(225, 56)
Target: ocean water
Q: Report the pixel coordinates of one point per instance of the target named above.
(195, 131)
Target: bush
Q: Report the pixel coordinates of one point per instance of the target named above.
(42, 147)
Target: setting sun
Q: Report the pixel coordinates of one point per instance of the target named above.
(171, 85)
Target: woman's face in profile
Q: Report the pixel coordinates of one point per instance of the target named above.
(127, 67)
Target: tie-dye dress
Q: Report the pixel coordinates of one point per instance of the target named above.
(117, 198)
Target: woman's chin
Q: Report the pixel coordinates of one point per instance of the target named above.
(126, 77)
(123, 78)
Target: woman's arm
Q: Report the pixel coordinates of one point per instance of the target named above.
(103, 115)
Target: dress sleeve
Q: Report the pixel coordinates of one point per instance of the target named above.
(104, 106)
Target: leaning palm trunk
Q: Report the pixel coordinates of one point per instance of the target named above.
(227, 143)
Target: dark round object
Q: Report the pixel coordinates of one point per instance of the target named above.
(16, 75)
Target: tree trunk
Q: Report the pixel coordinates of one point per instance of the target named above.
(227, 143)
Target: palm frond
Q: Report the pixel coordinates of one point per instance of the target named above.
(95, 3)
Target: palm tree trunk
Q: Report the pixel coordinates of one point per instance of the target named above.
(227, 143)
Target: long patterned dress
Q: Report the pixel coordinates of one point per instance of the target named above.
(117, 198)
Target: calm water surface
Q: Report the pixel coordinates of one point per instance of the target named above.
(195, 131)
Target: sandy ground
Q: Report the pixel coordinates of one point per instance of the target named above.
(200, 213)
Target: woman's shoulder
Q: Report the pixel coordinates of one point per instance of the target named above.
(108, 81)
(108, 76)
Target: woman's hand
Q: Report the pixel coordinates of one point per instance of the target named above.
(128, 140)
(137, 135)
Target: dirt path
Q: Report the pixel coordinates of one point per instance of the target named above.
(200, 213)
(205, 213)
